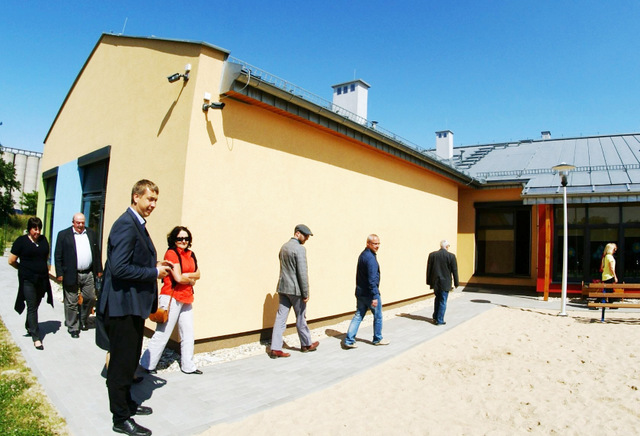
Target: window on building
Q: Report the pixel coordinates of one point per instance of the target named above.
(345, 89)
(353, 87)
(598, 239)
(503, 239)
(631, 253)
(630, 214)
(630, 243)
(49, 180)
(339, 89)
(93, 175)
(591, 227)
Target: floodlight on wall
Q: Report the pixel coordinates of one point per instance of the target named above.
(211, 105)
(175, 77)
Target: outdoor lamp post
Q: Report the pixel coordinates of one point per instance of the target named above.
(563, 169)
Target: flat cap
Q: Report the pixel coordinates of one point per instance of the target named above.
(303, 229)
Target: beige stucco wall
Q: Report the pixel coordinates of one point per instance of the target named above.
(264, 174)
(242, 178)
(122, 98)
(466, 237)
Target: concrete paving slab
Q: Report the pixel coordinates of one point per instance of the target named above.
(70, 370)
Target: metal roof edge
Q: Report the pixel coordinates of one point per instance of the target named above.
(436, 165)
(351, 81)
(527, 141)
(155, 38)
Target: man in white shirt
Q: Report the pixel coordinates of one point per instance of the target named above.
(78, 263)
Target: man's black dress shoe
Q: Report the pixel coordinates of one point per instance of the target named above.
(142, 410)
(75, 335)
(197, 371)
(131, 428)
(84, 327)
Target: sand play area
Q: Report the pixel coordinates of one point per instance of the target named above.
(507, 371)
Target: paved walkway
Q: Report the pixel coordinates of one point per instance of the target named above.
(70, 369)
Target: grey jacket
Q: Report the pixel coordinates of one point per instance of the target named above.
(294, 279)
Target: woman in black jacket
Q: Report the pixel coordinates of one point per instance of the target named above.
(30, 255)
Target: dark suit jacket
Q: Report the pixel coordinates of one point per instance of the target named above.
(440, 267)
(65, 256)
(130, 283)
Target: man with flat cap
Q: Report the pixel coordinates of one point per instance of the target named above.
(293, 291)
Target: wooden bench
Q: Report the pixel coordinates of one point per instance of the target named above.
(618, 293)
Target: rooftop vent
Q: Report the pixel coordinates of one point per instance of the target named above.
(444, 144)
(545, 135)
(353, 97)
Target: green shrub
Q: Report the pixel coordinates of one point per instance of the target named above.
(14, 226)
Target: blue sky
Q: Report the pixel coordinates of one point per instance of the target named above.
(490, 71)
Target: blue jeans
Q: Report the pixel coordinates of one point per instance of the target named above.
(362, 305)
(440, 306)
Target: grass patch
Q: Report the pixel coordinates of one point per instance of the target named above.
(24, 407)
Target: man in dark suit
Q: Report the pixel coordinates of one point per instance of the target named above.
(441, 266)
(78, 263)
(129, 295)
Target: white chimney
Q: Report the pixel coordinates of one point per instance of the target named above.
(546, 134)
(352, 96)
(444, 144)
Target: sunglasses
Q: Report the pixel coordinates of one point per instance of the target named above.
(183, 239)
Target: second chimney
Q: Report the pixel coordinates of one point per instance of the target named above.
(444, 144)
(353, 97)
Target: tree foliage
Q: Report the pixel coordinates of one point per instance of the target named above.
(8, 184)
(29, 203)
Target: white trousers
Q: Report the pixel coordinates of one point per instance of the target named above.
(178, 313)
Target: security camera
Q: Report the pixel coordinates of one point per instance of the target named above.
(213, 105)
(174, 77)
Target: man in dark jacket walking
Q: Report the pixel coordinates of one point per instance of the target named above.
(441, 266)
(367, 294)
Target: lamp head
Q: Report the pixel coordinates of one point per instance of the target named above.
(563, 169)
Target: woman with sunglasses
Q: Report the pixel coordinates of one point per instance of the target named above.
(176, 295)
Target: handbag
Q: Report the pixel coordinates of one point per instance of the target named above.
(161, 315)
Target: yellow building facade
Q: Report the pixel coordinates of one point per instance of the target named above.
(242, 177)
